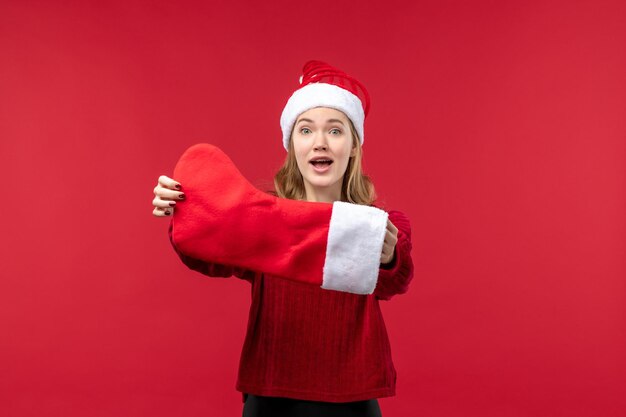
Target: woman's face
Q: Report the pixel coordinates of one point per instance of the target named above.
(322, 132)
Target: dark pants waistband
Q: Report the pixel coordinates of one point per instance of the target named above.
(260, 406)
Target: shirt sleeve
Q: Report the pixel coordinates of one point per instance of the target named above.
(211, 269)
(394, 278)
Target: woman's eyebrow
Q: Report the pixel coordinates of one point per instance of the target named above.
(327, 121)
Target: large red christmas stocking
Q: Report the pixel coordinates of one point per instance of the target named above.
(225, 219)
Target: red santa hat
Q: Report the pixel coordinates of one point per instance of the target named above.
(322, 85)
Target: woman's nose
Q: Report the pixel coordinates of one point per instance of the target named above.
(320, 141)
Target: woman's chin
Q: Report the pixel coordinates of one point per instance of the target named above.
(322, 182)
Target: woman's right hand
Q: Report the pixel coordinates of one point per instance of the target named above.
(166, 193)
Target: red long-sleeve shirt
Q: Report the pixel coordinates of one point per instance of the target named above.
(309, 343)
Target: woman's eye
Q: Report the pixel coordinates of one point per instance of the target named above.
(306, 130)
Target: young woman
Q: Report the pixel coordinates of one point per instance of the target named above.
(310, 351)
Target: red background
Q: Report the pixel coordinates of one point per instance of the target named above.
(498, 127)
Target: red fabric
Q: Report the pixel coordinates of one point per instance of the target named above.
(308, 343)
(320, 72)
(226, 220)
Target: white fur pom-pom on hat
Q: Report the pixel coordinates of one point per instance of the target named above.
(322, 85)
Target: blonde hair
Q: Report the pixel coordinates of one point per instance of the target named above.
(356, 188)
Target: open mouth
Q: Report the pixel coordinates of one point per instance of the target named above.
(321, 163)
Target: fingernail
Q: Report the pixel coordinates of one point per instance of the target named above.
(177, 186)
(181, 196)
(172, 203)
(167, 213)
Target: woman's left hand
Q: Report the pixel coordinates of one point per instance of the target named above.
(391, 238)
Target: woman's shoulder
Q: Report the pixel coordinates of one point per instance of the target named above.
(398, 217)
(390, 211)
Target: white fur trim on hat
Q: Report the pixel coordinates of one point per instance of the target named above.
(321, 95)
(355, 242)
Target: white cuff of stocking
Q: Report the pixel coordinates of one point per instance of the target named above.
(355, 242)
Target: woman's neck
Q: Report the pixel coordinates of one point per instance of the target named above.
(323, 196)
